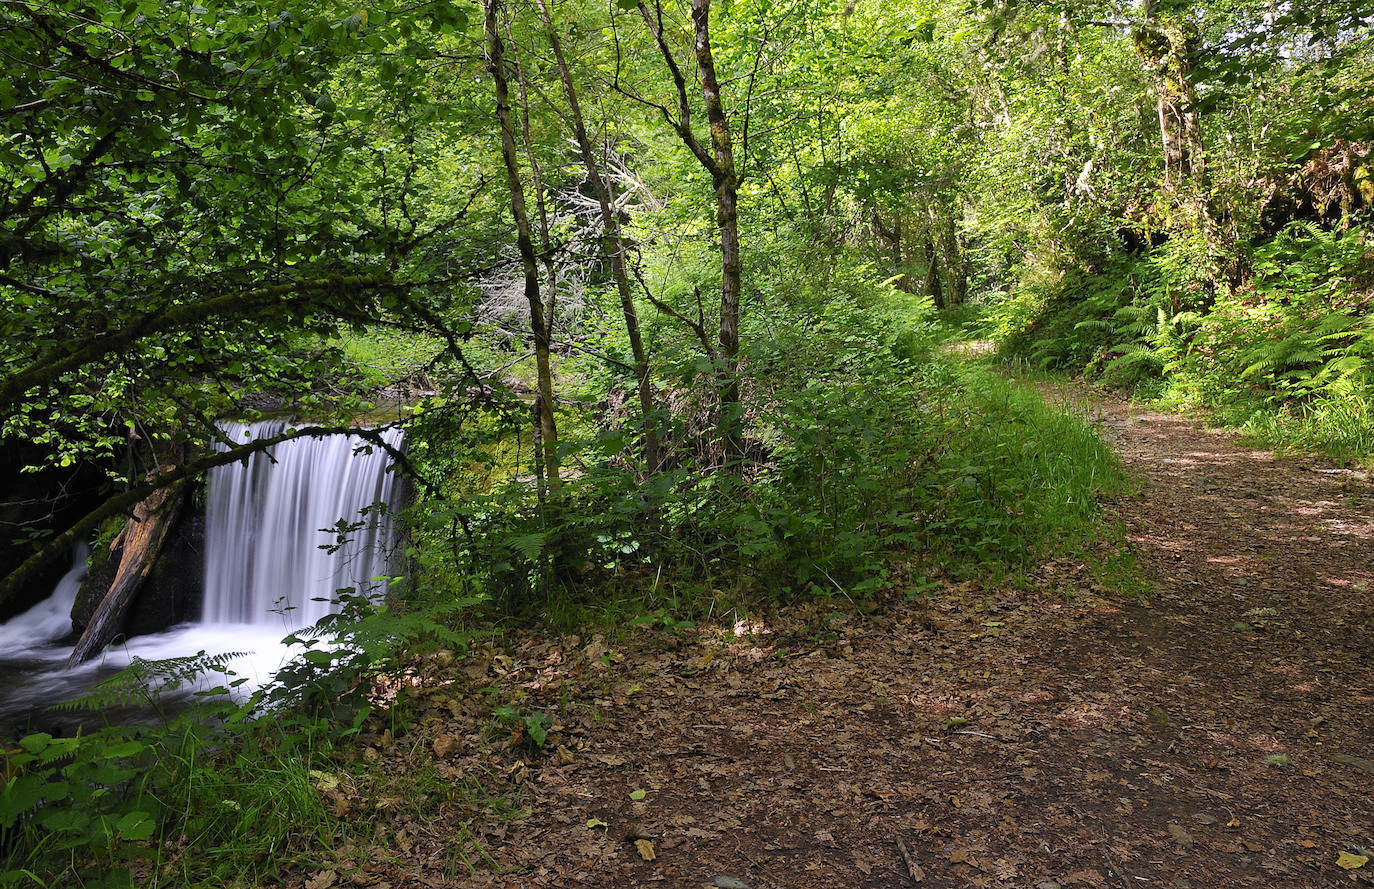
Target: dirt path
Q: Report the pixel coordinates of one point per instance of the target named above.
(1000, 738)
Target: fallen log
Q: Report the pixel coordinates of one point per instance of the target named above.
(137, 546)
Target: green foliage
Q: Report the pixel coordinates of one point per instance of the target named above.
(219, 789)
(1284, 354)
(524, 725)
(865, 448)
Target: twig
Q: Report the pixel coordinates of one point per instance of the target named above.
(976, 734)
(917, 873)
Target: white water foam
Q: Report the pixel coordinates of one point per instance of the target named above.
(265, 572)
(50, 619)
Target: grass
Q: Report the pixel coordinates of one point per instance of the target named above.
(1339, 429)
(380, 357)
(1031, 472)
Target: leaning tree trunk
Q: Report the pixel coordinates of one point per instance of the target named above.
(548, 430)
(613, 245)
(138, 546)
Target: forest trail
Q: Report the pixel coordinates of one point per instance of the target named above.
(1216, 734)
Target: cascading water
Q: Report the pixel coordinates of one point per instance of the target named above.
(265, 571)
(50, 619)
(267, 523)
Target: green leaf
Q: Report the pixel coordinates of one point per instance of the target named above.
(136, 826)
(21, 795)
(319, 658)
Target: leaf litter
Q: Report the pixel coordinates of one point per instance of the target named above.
(913, 745)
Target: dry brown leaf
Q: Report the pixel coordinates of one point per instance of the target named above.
(322, 880)
(1090, 877)
(446, 744)
(645, 850)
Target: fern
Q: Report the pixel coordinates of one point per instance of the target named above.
(141, 681)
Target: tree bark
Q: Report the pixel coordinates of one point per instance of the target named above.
(1165, 48)
(726, 182)
(550, 288)
(139, 544)
(952, 258)
(893, 237)
(613, 245)
(930, 283)
(539, 327)
(720, 163)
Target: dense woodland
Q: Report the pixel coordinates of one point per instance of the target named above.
(671, 297)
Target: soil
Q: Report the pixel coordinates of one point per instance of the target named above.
(1214, 732)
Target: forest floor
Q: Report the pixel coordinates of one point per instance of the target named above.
(1216, 732)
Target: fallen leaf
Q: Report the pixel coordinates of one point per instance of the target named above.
(446, 744)
(1181, 836)
(728, 882)
(322, 880)
(1351, 862)
(638, 795)
(959, 856)
(594, 823)
(323, 780)
(645, 849)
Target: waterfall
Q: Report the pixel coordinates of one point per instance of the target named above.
(264, 564)
(50, 619)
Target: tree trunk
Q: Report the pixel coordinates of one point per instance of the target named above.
(539, 327)
(1165, 48)
(893, 237)
(139, 544)
(952, 259)
(550, 291)
(726, 182)
(613, 245)
(930, 283)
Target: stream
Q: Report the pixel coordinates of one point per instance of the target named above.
(285, 530)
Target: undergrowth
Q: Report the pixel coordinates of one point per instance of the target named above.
(873, 460)
(1285, 355)
(225, 791)
(869, 450)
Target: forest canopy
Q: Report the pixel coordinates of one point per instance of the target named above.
(206, 203)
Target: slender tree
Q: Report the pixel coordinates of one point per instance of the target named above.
(719, 162)
(548, 430)
(613, 244)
